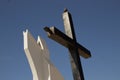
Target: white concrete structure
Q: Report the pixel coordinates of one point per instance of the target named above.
(38, 57)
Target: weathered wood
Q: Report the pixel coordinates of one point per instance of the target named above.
(69, 41)
(74, 54)
(66, 41)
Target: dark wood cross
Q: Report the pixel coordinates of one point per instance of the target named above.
(69, 41)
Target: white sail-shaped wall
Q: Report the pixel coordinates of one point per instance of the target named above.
(38, 57)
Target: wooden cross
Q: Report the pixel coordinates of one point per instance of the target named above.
(69, 41)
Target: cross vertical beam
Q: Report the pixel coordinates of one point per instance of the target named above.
(74, 54)
(69, 41)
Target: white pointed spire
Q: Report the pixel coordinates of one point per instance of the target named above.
(38, 57)
(39, 42)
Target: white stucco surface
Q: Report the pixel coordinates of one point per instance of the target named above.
(38, 57)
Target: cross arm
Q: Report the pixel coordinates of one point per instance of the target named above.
(66, 41)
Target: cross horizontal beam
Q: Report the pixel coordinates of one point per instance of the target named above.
(66, 41)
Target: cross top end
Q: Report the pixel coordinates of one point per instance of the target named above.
(65, 10)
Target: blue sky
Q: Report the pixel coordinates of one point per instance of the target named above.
(97, 27)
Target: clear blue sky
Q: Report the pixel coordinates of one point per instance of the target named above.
(97, 26)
